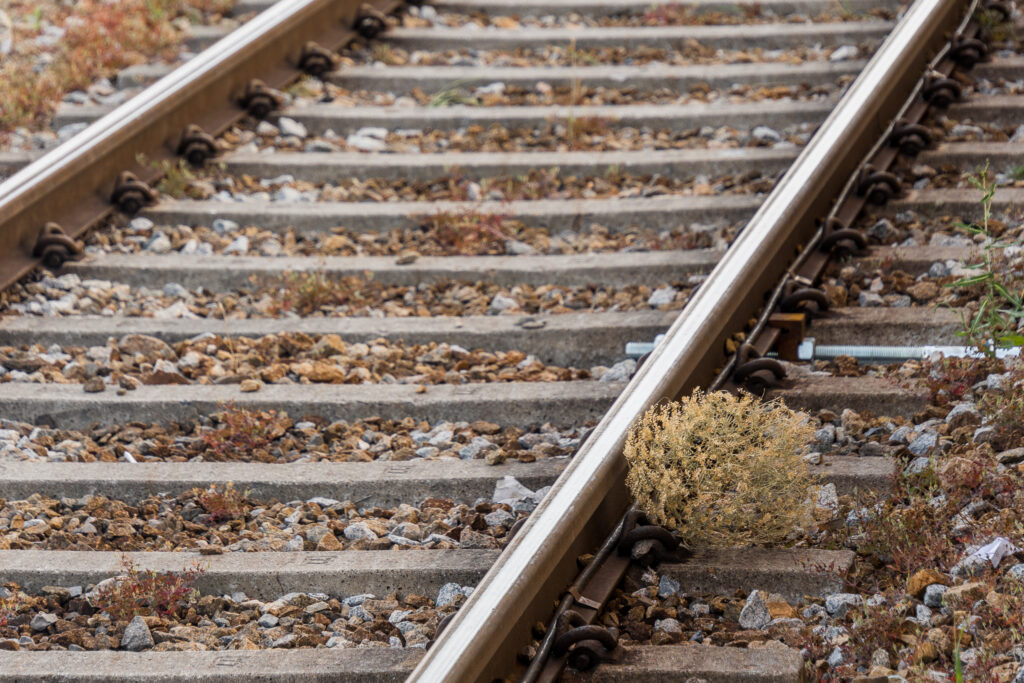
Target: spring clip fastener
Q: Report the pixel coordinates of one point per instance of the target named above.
(809, 300)
(840, 240)
(370, 22)
(755, 373)
(1001, 7)
(586, 645)
(197, 146)
(878, 187)
(55, 247)
(940, 92)
(259, 99)
(911, 138)
(316, 60)
(131, 194)
(647, 544)
(967, 52)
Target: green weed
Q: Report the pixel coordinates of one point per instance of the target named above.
(1001, 298)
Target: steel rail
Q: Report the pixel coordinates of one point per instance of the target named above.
(72, 185)
(589, 498)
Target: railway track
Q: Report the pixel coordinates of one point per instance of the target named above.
(392, 318)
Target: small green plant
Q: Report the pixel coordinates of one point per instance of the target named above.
(721, 470)
(35, 19)
(147, 592)
(958, 665)
(1001, 299)
(176, 175)
(847, 11)
(222, 503)
(1017, 173)
(243, 431)
(577, 55)
(382, 52)
(451, 95)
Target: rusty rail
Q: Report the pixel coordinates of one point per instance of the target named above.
(589, 498)
(83, 181)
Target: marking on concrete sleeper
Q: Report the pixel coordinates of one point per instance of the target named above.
(228, 660)
(318, 559)
(398, 469)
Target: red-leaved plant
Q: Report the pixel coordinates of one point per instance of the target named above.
(145, 592)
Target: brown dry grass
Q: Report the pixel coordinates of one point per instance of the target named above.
(721, 470)
(100, 38)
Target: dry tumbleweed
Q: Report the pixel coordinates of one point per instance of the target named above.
(721, 470)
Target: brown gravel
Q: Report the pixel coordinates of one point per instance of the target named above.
(559, 55)
(672, 14)
(240, 435)
(285, 358)
(318, 296)
(543, 94)
(210, 622)
(225, 519)
(514, 238)
(537, 184)
(590, 134)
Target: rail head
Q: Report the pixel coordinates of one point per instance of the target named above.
(72, 185)
(481, 641)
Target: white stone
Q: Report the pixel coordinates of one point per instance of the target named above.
(291, 127)
(358, 530)
(239, 245)
(509, 490)
(843, 53)
(500, 302)
(137, 636)
(43, 621)
(662, 296)
(839, 604)
(754, 614)
(766, 133)
(222, 226)
(620, 372)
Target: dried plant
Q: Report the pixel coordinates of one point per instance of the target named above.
(222, 503)
(242, 432)
(147, 592)
(470, 232)
(721, 470)
(1005, 409)
(307, 291)
(100, 38)
(8, 607)
(579, 127)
